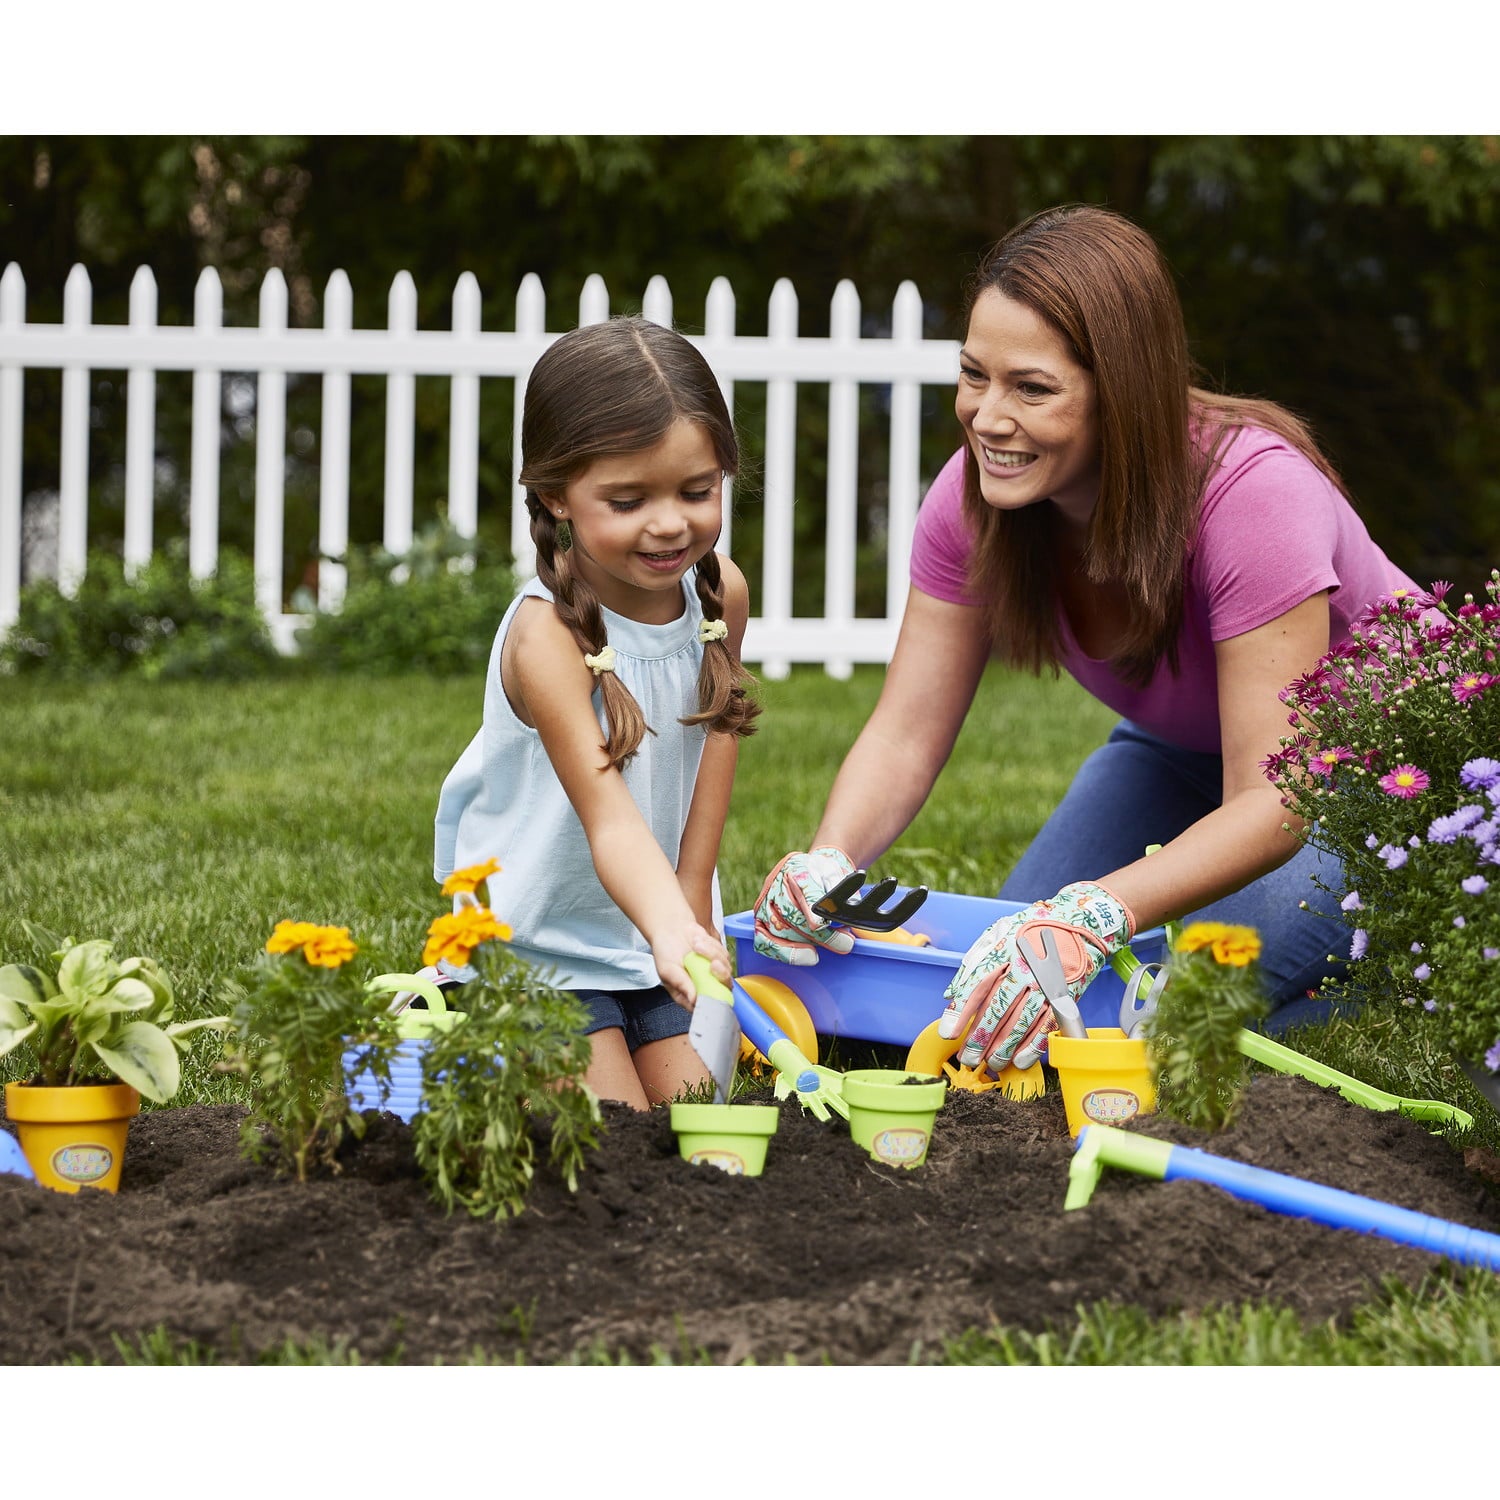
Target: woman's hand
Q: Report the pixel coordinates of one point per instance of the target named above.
(994, 982)
(671, 943)
(786, 926)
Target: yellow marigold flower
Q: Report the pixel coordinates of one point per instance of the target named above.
(289, 936)
(454, 937)
(329, 947)
(1228, 943)
(471, 878)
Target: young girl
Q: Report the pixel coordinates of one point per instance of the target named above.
(614, 700)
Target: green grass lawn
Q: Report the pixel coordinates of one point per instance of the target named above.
(184, 821)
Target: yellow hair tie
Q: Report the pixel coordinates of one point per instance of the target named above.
(712, 630)
(604, 662)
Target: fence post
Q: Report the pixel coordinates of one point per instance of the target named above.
(781, 469)
(593, 301)
(270, 453)
(718, 324)
(140, 430)
(203, 496)
(400, 422)
(463, 417)
(73, 478)
(12, 388)
(333, 454)
(843, 482)
(906, 454)
(656, 305)
(531, 322)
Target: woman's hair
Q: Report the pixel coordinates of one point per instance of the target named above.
(606, 389)
(1102, 284)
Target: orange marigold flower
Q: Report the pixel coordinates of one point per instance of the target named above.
(471, 878)
(287, 937)
(455, 936)
(1228, 943)
(329, 947)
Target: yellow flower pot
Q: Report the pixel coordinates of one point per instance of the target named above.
(73, 1137)
(1105, 1077)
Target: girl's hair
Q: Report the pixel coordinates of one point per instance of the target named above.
(1103, 285)
(606, 389)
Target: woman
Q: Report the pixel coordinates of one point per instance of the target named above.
(1183, 555)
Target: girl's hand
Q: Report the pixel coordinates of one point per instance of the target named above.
(667, 950)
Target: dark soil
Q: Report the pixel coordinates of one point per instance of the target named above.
(828, 1255)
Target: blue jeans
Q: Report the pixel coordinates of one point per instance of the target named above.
(1137, 790)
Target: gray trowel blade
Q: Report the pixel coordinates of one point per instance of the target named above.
(715, 1035)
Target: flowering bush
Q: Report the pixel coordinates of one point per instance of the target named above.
(1394, 763)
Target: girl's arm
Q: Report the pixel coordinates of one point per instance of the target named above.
(1243, 838)
(551, 688)
(699, 852)
(940, 655)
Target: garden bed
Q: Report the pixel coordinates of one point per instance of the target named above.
(828, 1255)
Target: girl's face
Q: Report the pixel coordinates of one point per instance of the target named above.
(1029, 411)
(641, 520)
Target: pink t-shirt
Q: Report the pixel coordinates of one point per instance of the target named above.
(1272, 531)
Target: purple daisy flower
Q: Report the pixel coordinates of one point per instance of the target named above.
(1359, 944)
(1393, 856)
(1475, 885)
(1480, 774)
(1351, 902)
(1422, 971)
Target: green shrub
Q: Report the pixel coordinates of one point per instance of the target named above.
(163, 623)
(433, 610)
(510, 1070)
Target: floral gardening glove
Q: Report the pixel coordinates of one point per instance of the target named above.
(994, 983)
(786, 926)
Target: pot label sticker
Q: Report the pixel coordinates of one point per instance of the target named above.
(726, 1161)
(82, 1162)
(902, 1148)
(1110, 1106)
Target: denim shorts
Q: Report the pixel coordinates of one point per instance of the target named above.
(643, 1015)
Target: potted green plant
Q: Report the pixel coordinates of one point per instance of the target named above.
(1394, 763)
(102, 1035)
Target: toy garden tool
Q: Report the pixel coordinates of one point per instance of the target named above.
(843, 903)
(714, 1032)
(818, 1089)
(1283, 1060)
(1137, 1008)
(1047, 969)
(1101, 1146)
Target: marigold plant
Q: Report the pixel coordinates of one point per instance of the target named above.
(1209, 990)
(1394, 764)
(454, 936)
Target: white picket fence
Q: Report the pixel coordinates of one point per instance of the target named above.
(464, 354)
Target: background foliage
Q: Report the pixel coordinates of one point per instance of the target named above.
(1350, 277)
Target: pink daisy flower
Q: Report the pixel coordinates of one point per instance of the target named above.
(1325, 762)
(1404, 781)
(1472, 685)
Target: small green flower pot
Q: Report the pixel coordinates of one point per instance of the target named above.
(732, 1137)
(891, 1112)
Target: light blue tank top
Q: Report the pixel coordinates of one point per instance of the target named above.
(502, 800)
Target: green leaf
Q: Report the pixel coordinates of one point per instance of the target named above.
(87, 969)
(143, 1056)
(150, 972)
(25, 985)
(15, 1025)
(179, 1030)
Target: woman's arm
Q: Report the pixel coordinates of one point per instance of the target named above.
(704, 829)
(1243, 838)
(940, 655)
(546, 673)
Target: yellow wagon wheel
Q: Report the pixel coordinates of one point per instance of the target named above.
(780, 1003)
(934, 1054)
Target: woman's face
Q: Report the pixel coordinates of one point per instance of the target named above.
(1029, 411)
